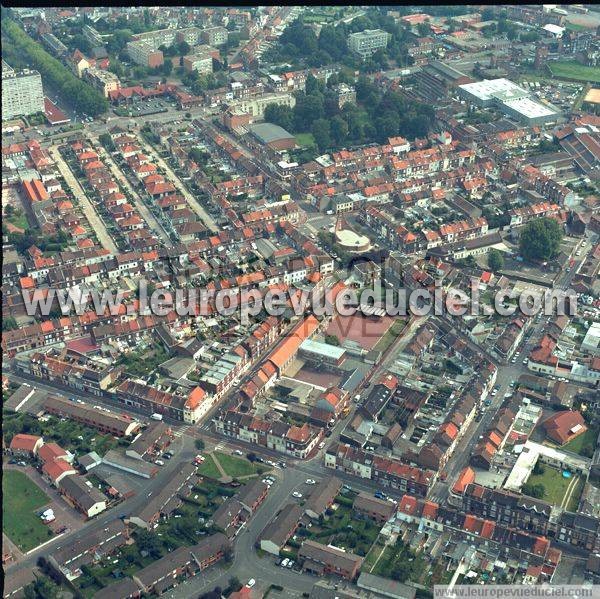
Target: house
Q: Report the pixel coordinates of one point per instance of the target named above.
(564, 426)
(84, 495)
(373, 508)
(253, 494)
(162, 574)
(276, 534)
(322, 497)
(22, 444)
(321, 560)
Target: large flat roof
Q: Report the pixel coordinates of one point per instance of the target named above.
(491, 88)
(268, 132)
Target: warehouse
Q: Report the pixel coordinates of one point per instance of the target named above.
(511, 99)
(273, 136)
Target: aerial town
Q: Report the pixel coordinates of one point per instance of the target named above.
(198, 401)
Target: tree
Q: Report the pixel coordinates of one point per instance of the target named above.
(280, 115)
(538, 468)
(148, 541)
(322, 133)
(42, 588)
(495, 260)
(540, 239)
(235, 584)
(9, 323)
(199, 443)
(332, 340)
(339, 130)
(183, 48)
(534, 490)
(251, 457)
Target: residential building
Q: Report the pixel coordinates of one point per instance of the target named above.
(367, 42)
(320, 560)
(214, 36)
(22, 93)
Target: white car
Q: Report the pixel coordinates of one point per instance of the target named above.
(285, 562)
(310, 481)
(297, 495)
(267, 482)
(159, 462)
(238, 452)
(251, 583)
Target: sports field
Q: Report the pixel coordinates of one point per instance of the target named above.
(575, 71)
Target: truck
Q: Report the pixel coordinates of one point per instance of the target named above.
(156, 416)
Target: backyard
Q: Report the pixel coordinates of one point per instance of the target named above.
(343, 530)
(558, 490)
(184, 528)
(22, 498)
(583, 443)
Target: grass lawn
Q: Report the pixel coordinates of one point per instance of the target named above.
(209, 468)
(573, 502)
(237, 466)
(574, 70)
(555, 485)
(390, 336)
(578, 443)
(305, 139)
(21, 498)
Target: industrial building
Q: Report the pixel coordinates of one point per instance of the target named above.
(512, 100)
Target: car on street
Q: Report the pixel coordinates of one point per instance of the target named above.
(251, 583)
(297, 495)
(159, 462)
(238, 452)
(310, 481)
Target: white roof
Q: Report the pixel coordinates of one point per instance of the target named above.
(529, 108)
(554, 29)
(488, 88)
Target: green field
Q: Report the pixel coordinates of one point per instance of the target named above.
(209, 468)
(236, 467)
(574, 70)
(305, 139)
(21, 498)
(586, 439)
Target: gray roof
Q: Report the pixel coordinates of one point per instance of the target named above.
(268, 132)
(280, 528)
(386, 586)
(123, 588)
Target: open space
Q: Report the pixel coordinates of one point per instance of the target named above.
(305, 139)
(557, 487)
(574, 70)
(583, 441)
(21, 498)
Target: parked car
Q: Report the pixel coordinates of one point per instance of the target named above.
(251, 583)
(297, 495)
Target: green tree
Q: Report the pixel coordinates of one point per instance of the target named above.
(339, 130)
(332, 340)
(9, 323)
(150, 543)
(199, 444)
(495, 260)
(540, 239)
(42, 588)
(321, 131)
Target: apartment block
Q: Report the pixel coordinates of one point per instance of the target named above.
(367, 42)
(22, 93)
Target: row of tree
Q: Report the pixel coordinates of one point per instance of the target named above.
(83, 97)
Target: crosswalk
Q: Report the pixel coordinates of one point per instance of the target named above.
(182, 430)
(220, 446)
